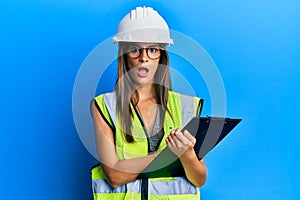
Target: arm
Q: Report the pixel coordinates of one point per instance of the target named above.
(182, 144)
(117, 171)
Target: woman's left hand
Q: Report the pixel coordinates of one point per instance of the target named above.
(180, 142)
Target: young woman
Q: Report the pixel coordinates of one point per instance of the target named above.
(142, 116)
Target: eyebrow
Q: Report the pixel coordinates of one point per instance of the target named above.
(151, 45)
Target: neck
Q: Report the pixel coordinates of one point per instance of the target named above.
(146, 92)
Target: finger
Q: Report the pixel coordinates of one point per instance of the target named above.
(180, 139)
(172, 134)
(176, 142)
(170, 142)
(177, 131)
(183, 139)
(191, 138)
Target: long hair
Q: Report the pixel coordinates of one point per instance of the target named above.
(127, 93)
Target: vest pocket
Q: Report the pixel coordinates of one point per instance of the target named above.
(134, 150)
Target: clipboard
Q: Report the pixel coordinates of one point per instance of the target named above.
(208, 131)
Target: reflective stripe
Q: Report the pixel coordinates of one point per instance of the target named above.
(110, 101)
(134, 186)
(178, 186)
(102, 186)
(187, 109)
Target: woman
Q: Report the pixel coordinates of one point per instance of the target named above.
(142, 116)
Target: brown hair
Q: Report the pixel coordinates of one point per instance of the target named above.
(126, 93)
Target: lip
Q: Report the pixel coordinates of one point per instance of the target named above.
(142, 71)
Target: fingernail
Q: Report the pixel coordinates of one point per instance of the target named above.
(185, 132)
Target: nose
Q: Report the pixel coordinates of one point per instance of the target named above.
(144, 56)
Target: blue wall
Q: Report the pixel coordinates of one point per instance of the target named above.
(255, 45)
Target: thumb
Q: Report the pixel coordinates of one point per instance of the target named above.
(191, 138)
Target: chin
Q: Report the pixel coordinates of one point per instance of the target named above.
(142, 81)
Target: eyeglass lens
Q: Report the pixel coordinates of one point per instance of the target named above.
(152, 52)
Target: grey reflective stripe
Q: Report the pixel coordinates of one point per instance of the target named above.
(134, 186)
(187, 109)
(110, 101)
(170, 187)
(178, 186)
(102, 186)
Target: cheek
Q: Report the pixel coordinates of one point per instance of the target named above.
(132, 63)
(154, 65)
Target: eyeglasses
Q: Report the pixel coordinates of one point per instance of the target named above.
(152, 52)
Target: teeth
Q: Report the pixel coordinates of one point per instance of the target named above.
(142, 68)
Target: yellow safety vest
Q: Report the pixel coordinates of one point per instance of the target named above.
(182, 108)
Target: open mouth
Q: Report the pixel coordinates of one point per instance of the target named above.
(142, 71)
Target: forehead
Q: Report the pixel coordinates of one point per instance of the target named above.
(142, 45)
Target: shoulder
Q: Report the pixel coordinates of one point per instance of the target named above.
(106, 106)
(109, 94)
(105, 97)
(106, 102)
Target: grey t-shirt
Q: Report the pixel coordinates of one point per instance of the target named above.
(157, 132)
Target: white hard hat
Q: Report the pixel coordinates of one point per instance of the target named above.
(143, 24)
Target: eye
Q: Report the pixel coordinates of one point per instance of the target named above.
(134, 49)
(153, 49)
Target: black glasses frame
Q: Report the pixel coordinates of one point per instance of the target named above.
(148, 52)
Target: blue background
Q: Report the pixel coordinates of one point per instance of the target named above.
(255, 45)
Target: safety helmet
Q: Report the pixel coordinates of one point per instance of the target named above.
(143, 24)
